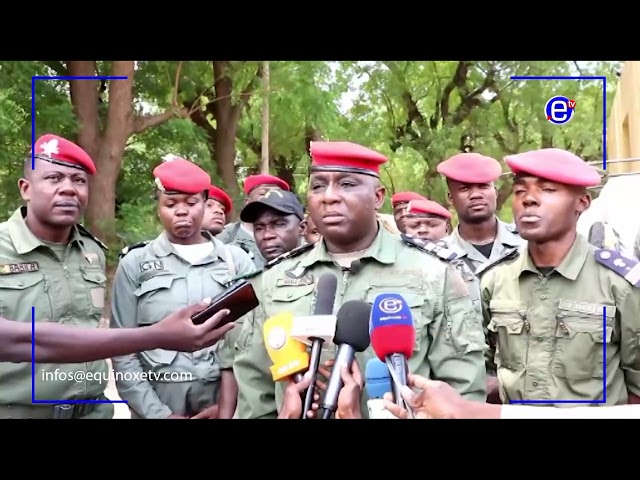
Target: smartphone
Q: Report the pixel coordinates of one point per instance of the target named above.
(239, 299)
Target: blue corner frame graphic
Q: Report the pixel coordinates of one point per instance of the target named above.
(604, 310)
(33, 309)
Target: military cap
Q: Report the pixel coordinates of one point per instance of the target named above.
(280, 201)
(556, 165)
(345, 157)
(427, 207)
(255, 181)
(181, 176)
(470, 168)
(405, 197)
(60, 151)
(221, 196)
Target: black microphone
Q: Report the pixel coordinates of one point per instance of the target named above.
(352, 335)
(327, 287)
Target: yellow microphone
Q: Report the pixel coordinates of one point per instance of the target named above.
(288, 355)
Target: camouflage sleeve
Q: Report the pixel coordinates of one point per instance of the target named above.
(457, 348)
(629, 307)
(256, 388)
(132, 384)
(486, 289)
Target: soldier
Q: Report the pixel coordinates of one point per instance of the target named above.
(344, 195)
(241, 233)
(182, 265)
(58, 343)
(217, 208)
(561, 305)
(399, 203)
(480, 233)
(278, 222)
(52, 264)
(427, 220)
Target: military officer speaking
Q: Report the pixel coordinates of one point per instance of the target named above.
(184, 264)
(51, 263)
(344, 195)
(560, 306)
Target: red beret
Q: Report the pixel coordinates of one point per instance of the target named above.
(470, 168)
(345, 157)
(221, 196)
(254, 181)
(555, 165)
(181, 176)
(60, 151)
(405, 197)
(427, 207)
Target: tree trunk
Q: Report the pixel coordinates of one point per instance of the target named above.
(265, 121)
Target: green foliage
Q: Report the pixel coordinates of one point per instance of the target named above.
(414, 112)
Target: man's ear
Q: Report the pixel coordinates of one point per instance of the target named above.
(24, 186)
(302, 228)
(584, 202)
(381, 193)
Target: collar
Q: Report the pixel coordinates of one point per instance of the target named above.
(570, 265)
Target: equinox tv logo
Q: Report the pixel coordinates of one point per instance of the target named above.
(559, 110)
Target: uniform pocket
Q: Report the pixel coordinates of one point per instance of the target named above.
(20, 292)
(509, 327)
(580, 345)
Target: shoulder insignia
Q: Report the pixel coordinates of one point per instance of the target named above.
(442, 252)
(83, 231)
(508, 255)
(628, 268)
(128, 248)
(290, 254)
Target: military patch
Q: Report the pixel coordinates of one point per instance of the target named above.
(290, 254)
(295, 272)
(628, 268)
(443, 253)
(587, 308)
(508, 255)
(87, 233)
(463, 269)
(151, 265)
(11, 268)
(295, 282)
(458, 285)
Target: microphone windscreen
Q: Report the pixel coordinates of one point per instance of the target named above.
(326, 296)
(352, 325)
(391, 326)
(378, 381)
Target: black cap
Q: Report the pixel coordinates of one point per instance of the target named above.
(279, 200)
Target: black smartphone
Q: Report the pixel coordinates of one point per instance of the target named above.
(239, 299)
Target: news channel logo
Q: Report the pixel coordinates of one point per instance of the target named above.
(559, 109)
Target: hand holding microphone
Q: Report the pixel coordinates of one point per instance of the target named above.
(292, 404)
(351, 336)
(393, 336)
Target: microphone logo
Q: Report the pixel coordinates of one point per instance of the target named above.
(277, 337)
(390, 305)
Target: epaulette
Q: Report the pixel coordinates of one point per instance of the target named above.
(290, 254)
(442, 252)
(83, 231)
(628, 268)
(128, 248)
(508, 255)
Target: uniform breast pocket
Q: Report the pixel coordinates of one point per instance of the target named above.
(20, 292)
(158, 297)
(297, 300)
(415, 301)
(581, 340)
(508, 327)
(96, 283)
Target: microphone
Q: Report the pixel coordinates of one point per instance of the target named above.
(378, 382)
(289, 356)
(393, 336)
(352, 335)
(317, 330)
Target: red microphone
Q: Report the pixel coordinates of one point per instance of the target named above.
(393, 337)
